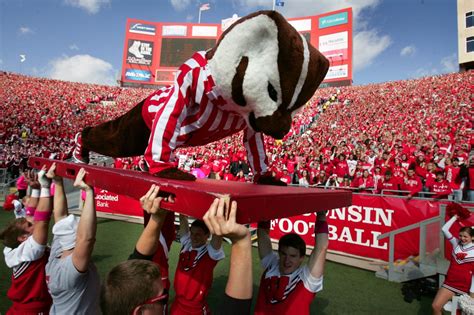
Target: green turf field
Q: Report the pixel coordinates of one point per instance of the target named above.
(347, 290)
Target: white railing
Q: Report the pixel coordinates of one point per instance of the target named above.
(429, 264)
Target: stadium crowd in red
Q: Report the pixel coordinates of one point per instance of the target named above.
(41, 116)
(390, 136)
(413, 135)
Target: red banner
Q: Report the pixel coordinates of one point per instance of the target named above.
(354, 230)
(106, 201)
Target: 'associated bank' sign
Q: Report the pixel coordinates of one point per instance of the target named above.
(138, 75)
(107, 201)
(333, 20)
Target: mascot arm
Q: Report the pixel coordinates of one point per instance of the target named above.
(254, 143)
(167, 124)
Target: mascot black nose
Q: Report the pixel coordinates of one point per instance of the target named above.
(276, 125)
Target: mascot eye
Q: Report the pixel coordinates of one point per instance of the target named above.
(272, 92)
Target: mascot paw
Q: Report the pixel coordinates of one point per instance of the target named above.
(269, 180)
(79, 155)
(174, 173)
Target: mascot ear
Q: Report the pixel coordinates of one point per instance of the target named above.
(266, 70)
(318, 67)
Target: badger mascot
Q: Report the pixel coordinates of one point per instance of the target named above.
(258, 75)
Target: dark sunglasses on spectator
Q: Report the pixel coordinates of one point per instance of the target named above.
(161, 299)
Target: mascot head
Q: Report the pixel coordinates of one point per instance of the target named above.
(267, 70)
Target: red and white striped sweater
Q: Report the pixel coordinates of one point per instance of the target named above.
(191, 112)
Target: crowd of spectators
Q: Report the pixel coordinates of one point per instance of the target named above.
(41, 116)
(412, 135)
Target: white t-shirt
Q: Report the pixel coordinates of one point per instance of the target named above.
(29, 250)
(271, 264)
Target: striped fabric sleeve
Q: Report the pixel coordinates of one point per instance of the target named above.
(254, 144)
(168, 120)
(27, 251)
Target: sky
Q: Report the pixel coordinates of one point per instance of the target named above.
(82, 40)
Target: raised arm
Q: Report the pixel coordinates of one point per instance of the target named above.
(317, 259)
(471, 290)
(180, 95)
(216, 241)
(43, 209)
(221, 221)
(60, 202)
(446, 227)
(183, 225)
(263, 239)
(147, 243)
(32, 180)
(86, 230)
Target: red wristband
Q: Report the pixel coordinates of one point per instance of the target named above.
(42, 216)
(321, 227)
(264, 224)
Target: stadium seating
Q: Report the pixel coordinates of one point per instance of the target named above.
(414, 122)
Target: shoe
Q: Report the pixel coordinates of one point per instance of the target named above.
(78, 155)
(143, 166)
(175, 173)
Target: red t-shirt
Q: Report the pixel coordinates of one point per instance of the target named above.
(290, 164)
(286, 179)
(28, 290)
(452, 174)
(442, 189)
(342, 168)
(412, 184)
(217, 166)
(193, 277)
(363, 182)
(285, 294)
(206, 168)
(391, 184)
